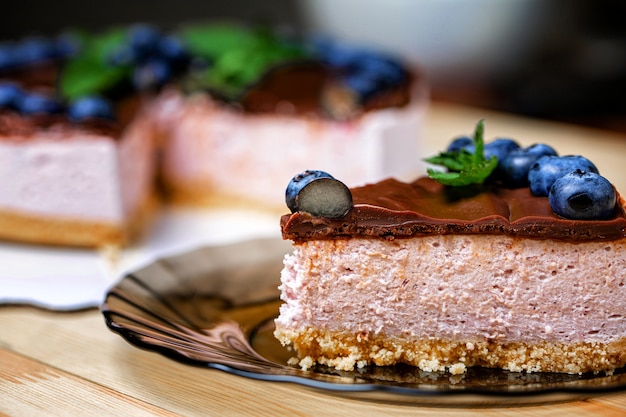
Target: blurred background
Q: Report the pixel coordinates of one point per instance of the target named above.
(561, 60)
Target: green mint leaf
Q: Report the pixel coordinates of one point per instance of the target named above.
(479, 143)
(238, 57)
(212, 41)
(464, 168)
(453, 161)
(90, 72)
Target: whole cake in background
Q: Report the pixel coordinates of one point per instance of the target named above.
(510, 258)
(212, 113)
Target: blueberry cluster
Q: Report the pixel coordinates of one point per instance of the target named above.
(575, 188)
(28, 103)
(154, 57)
(362, 71)
(31, 51)
(572, 183)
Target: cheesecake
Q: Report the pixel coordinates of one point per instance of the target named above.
(445, 277)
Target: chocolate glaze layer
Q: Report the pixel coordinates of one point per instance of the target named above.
(295, 87)
(392, 209)
(301, 85)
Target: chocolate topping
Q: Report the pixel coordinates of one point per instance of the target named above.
(392, 209)
(297, 88)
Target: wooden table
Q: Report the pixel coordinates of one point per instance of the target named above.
(69, 363)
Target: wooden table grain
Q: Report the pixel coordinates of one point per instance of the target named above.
(69, 363)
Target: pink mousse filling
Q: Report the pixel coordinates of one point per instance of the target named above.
(459, 288)
(77, 175)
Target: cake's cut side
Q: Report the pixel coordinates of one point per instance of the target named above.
(447, 302)
(77, 187)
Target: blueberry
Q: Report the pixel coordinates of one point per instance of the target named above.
(515, 166)
(10, 95)
(547, 169)
(8, 57)
(500, 148)
(172, 49)
(462, 142)
(68, 44)
(382, 69)
(365, 72)
(35, 103)
(144, 41)
(336, 55)
(364, 86)
(34, 50)
(541, 149)
(318, 193)
(90, 107)
(122, 56)
(581, 195)
(155, 72)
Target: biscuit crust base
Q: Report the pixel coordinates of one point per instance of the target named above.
(345, 352)
(26, 228)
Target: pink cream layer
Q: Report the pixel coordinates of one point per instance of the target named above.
(459, 288)
(76, 174)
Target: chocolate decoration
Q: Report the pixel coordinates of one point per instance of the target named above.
(392, 209)
(297, 88)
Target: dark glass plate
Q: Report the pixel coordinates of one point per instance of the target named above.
(215, 306)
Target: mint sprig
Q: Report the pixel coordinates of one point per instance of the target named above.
(464, 167)
(238, 56)
(90, 72)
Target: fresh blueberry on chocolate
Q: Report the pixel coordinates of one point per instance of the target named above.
(150, 74)
(581, 195)
(500, 148)
(541, 149)
(365, 72)
(547, 169)
(515, 166)
(172, 49)
(144, 41)
(334, 54)
(10, 94)
(384, 70)
(7, 56)
(122, 56)
(35, 50)
(37, 103)
(362, 85)
(90, 107)
(68, 44)
(462, 142)
(319, 194)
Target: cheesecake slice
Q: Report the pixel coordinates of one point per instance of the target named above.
(444, 278)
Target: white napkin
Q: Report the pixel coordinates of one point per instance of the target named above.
(72, 279)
